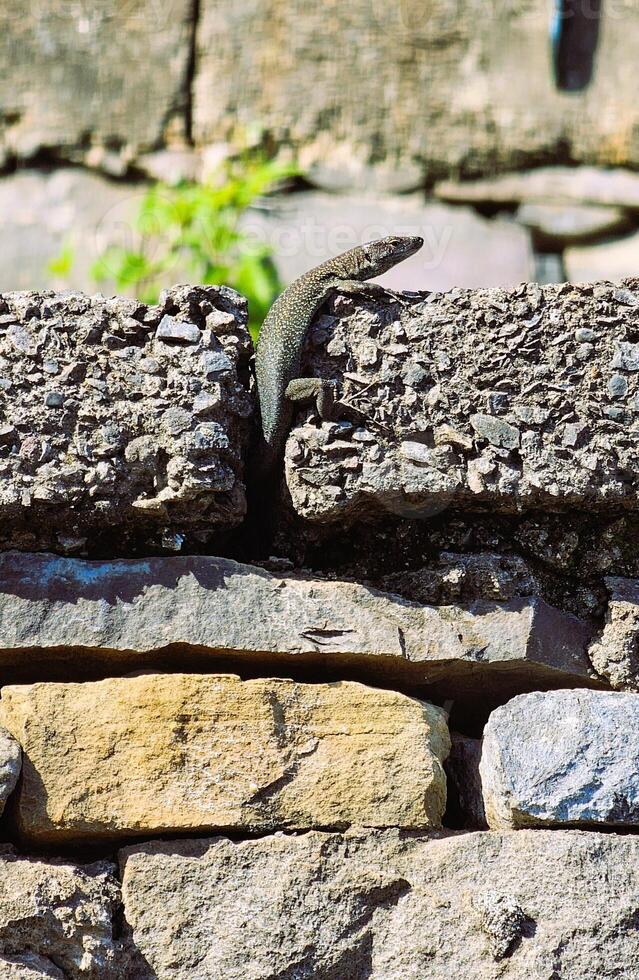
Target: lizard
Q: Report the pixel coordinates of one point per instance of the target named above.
(279, 346)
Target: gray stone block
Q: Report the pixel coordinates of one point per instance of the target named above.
(596, 186)
(125, 615)
(58, 920)
(95, 82)
(613, 259)
(386, 905)
(562, 758)
(460, 247)
(558, 225)
(381, 95)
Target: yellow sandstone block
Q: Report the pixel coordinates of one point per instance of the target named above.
(157, 753)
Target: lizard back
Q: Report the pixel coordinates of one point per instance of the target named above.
(278, 355)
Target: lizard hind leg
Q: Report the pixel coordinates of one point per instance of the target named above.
(318, 390)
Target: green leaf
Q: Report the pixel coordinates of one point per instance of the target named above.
(62, 263)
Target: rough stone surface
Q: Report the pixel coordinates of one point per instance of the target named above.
(615, 653)
(10, 763)
(438, 88)
(57, 920)
(104, 442)
(29, 967)
(562, 757)
(486, 399)
(58, 614)
(569, 553)
(456, 578)
(424, 92)
(159, 753)
(613, 260)
(460, 247)
(381, 905)
(67, 83)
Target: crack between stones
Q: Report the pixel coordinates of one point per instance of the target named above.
(191, 70)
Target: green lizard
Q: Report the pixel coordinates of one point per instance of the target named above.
(279, 348)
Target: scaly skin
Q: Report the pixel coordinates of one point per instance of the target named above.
(279, 348)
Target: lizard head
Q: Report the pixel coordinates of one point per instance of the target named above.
(375, 258)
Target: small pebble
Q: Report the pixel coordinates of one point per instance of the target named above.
(54, 399)
(179, 330)
(215, 364)
(617, 386)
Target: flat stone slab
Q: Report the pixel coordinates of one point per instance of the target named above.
(502, 400)
(162, 753)
(557, 225)
(614, 187)
(118, 432)
(62, 614)
(562, 758)
(44, 212)
(386, 904)
(437, 89)
(606, 260)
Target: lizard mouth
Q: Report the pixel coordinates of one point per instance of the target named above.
(411, 245)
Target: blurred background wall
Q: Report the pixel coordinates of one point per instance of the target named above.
(447, 118)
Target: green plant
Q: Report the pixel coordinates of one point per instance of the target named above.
(196, 228)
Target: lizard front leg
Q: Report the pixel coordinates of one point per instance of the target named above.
(352, 287)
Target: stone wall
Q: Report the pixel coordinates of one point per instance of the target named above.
(404, 743)
(402, 91)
